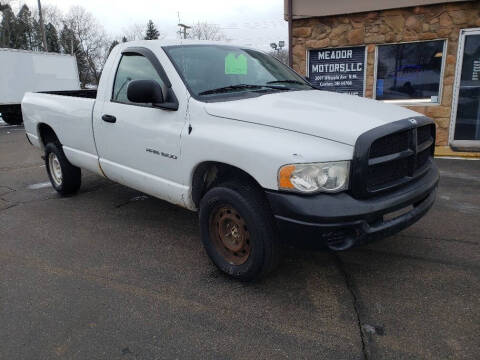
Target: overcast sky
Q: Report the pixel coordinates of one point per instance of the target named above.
(248, 22)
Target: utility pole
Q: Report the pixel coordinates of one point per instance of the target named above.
(42, 26)
(290, 32)
(183, 30)
(183, 27)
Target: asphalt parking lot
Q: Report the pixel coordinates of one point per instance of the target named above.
(113, 274)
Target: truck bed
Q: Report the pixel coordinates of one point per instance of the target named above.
(89, 94)
(69, 113)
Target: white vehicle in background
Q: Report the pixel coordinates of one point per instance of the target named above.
(23, 71)
(234, 134)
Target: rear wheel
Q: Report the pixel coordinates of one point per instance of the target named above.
(65, 177)
(238, 231)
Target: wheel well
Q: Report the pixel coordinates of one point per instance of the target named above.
(210, 173)
(46, 134)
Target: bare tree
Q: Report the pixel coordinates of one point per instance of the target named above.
(134, 32)
(206, 31)
(92, 39)
(51, 15)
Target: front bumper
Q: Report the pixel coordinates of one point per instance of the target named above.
(339, 221)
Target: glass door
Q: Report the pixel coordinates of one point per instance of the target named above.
(465, 130)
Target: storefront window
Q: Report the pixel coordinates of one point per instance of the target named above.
(410, 72)
(467, 120)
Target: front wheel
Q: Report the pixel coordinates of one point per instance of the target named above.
(65, 177)
(238, 231)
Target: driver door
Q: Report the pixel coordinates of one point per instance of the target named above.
(139, 144)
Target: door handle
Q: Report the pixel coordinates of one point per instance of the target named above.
(109, 118)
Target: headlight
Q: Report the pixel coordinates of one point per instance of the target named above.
(316, 177)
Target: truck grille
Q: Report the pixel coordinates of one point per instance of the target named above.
(390, 144)
(392, 155)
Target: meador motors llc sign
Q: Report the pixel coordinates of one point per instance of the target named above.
(340, 69)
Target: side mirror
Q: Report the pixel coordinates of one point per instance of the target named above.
(145, 91)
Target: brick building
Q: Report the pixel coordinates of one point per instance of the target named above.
(422, 54)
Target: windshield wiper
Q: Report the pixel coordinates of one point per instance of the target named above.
(229, 88)
(287, 81)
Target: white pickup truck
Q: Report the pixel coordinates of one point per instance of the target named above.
(264, 157)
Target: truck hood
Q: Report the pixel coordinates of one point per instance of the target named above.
(329, 115)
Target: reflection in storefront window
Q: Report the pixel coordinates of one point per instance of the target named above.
(410, 71)
(467, 125)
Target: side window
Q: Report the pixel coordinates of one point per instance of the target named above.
(132, 67)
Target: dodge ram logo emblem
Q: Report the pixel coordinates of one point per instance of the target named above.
(413, 121)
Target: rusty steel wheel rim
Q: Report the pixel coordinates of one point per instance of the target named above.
(230, 235)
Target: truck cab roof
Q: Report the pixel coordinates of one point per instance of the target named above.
(152, 44)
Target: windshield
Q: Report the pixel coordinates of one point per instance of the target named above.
(212, 71)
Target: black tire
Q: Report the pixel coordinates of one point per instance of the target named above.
(71, 176)
(250, 204)
(12, 118)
